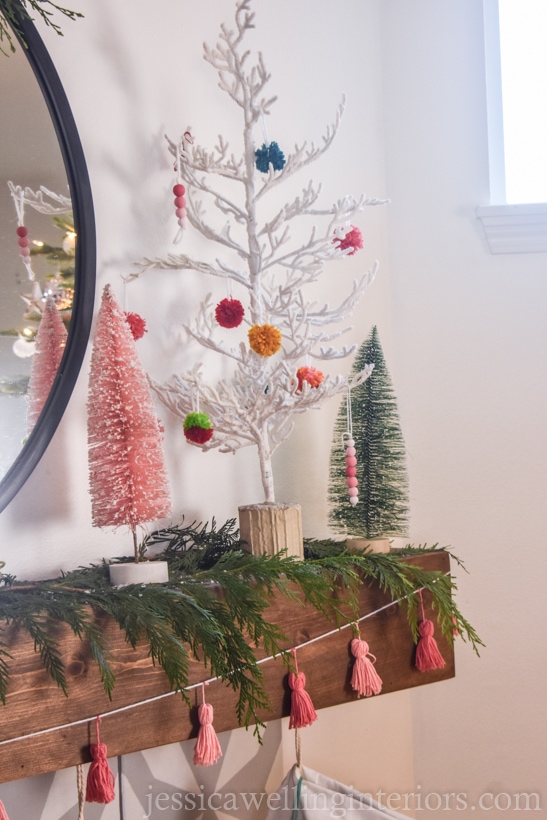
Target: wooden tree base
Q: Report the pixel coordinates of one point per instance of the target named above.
(369, 544)
(270, 528)
(35, 704)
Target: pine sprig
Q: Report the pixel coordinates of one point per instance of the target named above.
(12, 10)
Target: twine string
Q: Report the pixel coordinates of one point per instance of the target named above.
(81, 791)
(192, 686)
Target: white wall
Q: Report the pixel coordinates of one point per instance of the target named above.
(470, 356)
(131, 75)
(464, 331)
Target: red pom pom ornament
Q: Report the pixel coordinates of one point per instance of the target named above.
(229, 313)
(136, 324)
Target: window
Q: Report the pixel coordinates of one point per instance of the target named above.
(523, 58)
(516, 76)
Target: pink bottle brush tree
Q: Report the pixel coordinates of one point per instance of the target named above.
(50, 346)
(128, 480)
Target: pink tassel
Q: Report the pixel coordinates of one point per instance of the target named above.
(365, 680)
(302, 711)
(207, 749)
(428, 656)
(3, 812)
(100, 780)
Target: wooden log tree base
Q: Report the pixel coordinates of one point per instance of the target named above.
(270, 528)
(369, 544)
(35, 703)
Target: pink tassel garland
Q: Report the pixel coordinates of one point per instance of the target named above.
(428, 656)
(365, 680)
(3, 812)
(100, 780)
(207, 749)
(302, 710)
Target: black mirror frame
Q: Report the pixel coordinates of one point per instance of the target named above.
(85, 261)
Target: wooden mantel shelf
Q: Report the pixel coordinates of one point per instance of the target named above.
(34, 703)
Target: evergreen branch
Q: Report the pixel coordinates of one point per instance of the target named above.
(215, 606)
(5, 657)
(12, 10)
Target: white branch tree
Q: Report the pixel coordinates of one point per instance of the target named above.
(255, 406)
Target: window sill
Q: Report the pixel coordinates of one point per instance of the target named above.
(515, 228)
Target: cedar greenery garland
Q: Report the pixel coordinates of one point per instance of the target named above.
(11, 11)
(382, 509)
(214, 607)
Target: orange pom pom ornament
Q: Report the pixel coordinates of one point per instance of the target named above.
(264, 339)
(310, 375)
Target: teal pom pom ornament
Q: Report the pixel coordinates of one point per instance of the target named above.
(269, 155)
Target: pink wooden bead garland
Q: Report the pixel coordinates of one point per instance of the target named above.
(351, 470)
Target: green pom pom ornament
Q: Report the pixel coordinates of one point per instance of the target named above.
(198, 428)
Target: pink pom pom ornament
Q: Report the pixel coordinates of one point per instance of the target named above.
(353, 239)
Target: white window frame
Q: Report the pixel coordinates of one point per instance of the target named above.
(508, 228)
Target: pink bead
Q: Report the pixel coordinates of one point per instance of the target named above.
(351, 461)
(353, 491)
(179, 190)
(351, 471)
(25, 251)
(350, 451)
(181, 213)
(353, 500)
(22, 231)
(182, 223)
(180, 201)
(351, 481)
(23, 242)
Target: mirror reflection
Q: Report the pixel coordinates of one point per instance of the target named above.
(37, 244)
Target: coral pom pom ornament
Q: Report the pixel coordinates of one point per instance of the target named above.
(229, 313)
(353, 239)
(265, 339)
(310, 375)
(198, 428)
(137, 325)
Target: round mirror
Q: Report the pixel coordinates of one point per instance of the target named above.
(47, 239)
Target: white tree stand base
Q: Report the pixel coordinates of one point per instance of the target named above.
(270, 528)
(369, 544)
(145, 572)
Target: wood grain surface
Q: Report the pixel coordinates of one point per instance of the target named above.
(34, 703)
